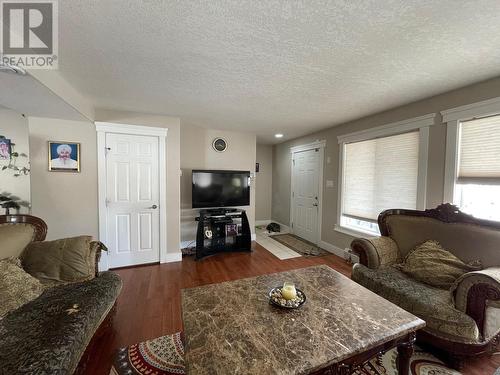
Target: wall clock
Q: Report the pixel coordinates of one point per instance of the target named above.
(219, 144)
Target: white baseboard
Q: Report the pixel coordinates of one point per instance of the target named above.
(192, 243)
(343, 253)
(333, 249)
(284, 228)
(172, 257)
(262, 222)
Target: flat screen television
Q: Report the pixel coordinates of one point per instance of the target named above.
(220, 188)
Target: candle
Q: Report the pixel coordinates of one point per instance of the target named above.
(288, 291)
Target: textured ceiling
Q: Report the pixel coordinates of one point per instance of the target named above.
(274, 66)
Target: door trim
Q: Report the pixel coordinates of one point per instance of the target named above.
(306, 147)
(102, 129)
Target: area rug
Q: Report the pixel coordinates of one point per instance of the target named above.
(165, 356)
(161, 356)
(299, 245)
(421, 363)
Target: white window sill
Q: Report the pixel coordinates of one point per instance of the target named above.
(355, 232)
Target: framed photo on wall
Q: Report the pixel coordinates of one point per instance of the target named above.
(5, 149)
(64, 156)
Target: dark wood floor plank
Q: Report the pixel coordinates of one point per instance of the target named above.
(150, 302)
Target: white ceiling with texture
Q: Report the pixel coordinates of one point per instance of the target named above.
(274, 66)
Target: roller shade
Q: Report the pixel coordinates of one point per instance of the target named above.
(479, 151)
(379, 174)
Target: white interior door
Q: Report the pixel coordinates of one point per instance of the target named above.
(305, 194)
(132, 199)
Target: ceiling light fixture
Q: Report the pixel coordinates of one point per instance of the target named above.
(279, 135)
(9, 68)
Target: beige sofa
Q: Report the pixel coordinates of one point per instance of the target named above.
(463, 321)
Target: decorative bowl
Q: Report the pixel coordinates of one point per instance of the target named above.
(276, 299)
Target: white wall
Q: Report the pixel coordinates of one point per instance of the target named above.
(14, 126)
(264, 183)
(66, 201)
(173, 166)
(197, 153)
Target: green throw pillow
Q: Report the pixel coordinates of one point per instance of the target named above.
(17, 287)
(433, 265)
(65, 260)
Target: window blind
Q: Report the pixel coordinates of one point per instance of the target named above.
(379, 174)
(479, 152)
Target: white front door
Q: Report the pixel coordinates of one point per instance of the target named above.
(305, 194)
(132, 199)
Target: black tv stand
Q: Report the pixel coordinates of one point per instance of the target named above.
(222, 230)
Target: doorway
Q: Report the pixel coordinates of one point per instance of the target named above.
(131, 183)
(307, 191)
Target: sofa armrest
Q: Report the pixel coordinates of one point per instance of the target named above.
(473, 292)
(375, 252)
(99, 247)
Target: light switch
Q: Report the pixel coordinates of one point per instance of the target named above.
(329, 183)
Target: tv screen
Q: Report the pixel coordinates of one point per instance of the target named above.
(220, 188)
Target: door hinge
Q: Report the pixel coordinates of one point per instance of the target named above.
(292, 225)
(293, 161)
(107, 202)
(293, 194)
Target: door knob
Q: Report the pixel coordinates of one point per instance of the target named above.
(154, 207)
(315, 204)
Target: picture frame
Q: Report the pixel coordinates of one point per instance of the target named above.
(5, 149)
(64, 156)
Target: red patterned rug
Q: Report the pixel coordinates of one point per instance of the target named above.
(161, 356)
(165, 356)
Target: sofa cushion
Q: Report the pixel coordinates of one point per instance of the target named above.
(468, 242)
(434, 305)
(17, 287)
(433, 265)
(68, 259)
(15, 237)
(49, 334)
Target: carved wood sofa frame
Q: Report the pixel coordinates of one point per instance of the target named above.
(454, 352)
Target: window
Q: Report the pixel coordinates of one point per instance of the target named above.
(472, 171)
(381, 169)
(477, 183)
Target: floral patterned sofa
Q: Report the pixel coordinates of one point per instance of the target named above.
(460, 322)
(50, 334)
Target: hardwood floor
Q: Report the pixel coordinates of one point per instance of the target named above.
(150, 304)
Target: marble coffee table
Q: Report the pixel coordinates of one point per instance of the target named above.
(230, 328)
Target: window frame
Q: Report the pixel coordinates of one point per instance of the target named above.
(453, 117)
(420, 124)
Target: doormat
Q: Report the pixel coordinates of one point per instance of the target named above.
(165, 356)
(299, 245)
